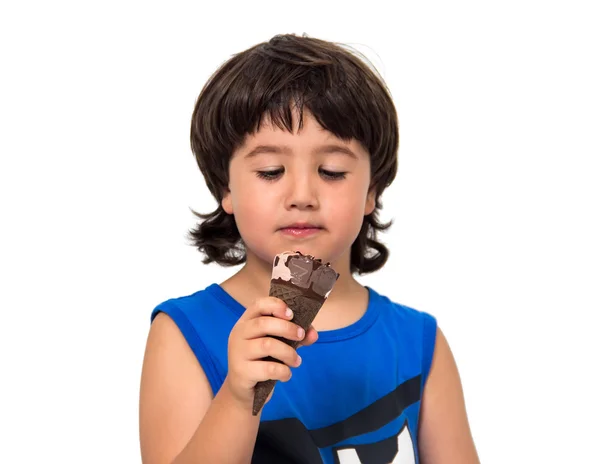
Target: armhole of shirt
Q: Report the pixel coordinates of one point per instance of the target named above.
(193, 339)
(429, 337)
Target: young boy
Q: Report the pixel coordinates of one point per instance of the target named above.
(297, 139)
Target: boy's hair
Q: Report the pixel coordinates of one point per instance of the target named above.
(273, 79)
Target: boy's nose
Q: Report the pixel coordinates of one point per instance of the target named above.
(302, 194)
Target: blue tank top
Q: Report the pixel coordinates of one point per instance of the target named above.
(355, 398)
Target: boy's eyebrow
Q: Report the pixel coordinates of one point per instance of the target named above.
(285, 150)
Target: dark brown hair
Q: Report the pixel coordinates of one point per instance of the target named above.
(273, 79)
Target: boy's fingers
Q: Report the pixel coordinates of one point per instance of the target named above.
(311, 337)
(274, 326)
(268, 306)
(261, 348)
(269, 370)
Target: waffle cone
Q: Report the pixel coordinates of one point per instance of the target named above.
(305, 310)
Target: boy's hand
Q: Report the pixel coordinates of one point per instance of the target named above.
(249, 343)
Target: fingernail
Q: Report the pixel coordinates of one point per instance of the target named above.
(298, 361)
(288, 312)
(300, 332)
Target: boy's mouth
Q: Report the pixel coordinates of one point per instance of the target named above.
(301, 229)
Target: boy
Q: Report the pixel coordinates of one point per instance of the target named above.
(297, 139)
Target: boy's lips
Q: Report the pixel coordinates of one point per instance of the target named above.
(301, 229)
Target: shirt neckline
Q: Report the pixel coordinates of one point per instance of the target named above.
(325, 336)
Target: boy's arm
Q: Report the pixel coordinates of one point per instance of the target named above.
(180, 422)
(444, 432)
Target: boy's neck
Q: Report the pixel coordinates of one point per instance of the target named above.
(346, 303)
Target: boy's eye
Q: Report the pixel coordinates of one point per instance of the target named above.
(270, 175)
(332, 175)
(274, 174)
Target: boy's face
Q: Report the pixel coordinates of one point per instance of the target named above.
(305, 191)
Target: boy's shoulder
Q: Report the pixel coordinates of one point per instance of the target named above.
(205, 319)
(199, 303)
(394, 308)
(414, 327)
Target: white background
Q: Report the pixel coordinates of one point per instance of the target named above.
(495, 204)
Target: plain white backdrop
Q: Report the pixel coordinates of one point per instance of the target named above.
(496, 204)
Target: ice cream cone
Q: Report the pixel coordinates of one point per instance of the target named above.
(303, 283)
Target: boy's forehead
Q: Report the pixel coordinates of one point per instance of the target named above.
(276, 143)
(272, 133)
(271, 137)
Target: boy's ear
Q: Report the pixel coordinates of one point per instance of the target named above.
(370, 203)
(226, 202)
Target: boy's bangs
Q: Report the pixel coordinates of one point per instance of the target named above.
(279, 94)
